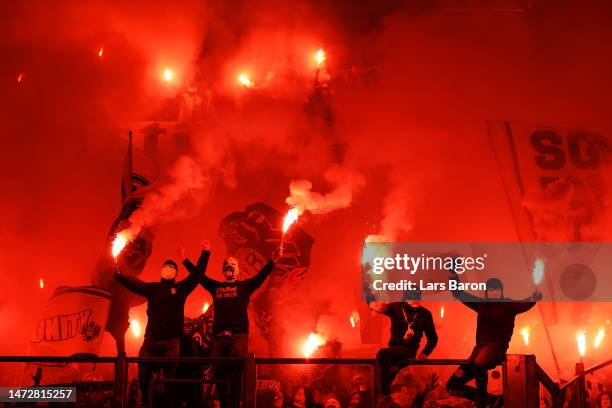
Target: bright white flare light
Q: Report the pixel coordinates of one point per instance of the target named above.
(581, 343)
(119, 243)
(312, 343)
(168, 75)
(290, 218)
(135, 327)
(538, 271)
(525, 332)
(354, 319)
(601, 334)
(320, 57)
(245, 81)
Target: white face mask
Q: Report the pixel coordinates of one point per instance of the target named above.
(230, 269)
(168, 272)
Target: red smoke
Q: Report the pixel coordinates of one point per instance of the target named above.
(400, 149)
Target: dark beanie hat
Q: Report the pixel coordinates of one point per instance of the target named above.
(412, 295)
(494, 283)
(171, 263)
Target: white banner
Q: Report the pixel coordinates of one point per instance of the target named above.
(72, 322)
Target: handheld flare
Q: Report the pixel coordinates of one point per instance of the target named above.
(581, 343)
(538, 271)
(291, 217)
(119, 243)
(320, 57)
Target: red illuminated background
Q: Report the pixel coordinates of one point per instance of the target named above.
(410, 87)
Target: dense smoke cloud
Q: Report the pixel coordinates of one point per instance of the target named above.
(162, 204)
(344, 185)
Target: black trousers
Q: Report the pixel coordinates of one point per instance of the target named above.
(390, 362)
(236, 346)
(483, 358)
(156, 348)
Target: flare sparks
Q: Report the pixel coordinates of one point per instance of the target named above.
(119, 243)
(601, 333)
(525, 332)
(135, 327)
(312, 343)
(581, 343)
(245, 81)
(320, 57)
(291, 217)
(538, 271)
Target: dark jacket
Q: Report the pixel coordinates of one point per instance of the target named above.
(495, 318)
(165, 303)
(230, 299)
(408, 324)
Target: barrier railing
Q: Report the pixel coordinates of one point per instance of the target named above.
(550, 386)
(579, 381)
(249, 365)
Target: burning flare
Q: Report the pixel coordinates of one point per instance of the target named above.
(538, 271)
(291, 217)
(101, 52)
(601, 333)
(581, 343)
(320, 57)
(312, 343)
(205, 307)
(525, 332)
(135, 326)
(119, 243)
(441, 312)
(41, 283)
(376, 248)
(354, 319)
(168, 75)
(245, 81)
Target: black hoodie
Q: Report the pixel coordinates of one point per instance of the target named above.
(165, 303)
(495, 318)
(230, 299)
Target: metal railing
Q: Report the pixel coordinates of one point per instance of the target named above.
(121, 364)
(589, 370)
(250, 363)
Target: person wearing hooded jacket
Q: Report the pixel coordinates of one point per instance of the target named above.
(165, 312)
(231, 298)
(410, 322)
(494, 328)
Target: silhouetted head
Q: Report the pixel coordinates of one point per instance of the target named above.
(413, 297)
(495, 289)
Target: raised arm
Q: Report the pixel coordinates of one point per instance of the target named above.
(471, 301)
(133, 284)
(256, 281)
(194, 272)
(526, 304)
(430, 333)
(198, 273)
(204, 257)
(192, 279)
(200, 268)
